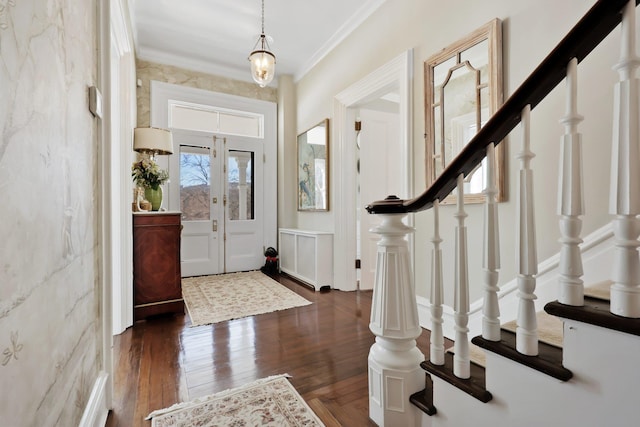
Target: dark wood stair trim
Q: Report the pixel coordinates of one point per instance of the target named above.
(548, 361)
(423, 399)
(595, 312)
(474, 385)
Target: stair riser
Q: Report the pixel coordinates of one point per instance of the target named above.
(604, 365)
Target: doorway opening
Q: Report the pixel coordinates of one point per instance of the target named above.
(223, 176)
(379, 172)
(393, 77)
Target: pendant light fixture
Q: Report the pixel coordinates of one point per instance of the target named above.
(263, 62)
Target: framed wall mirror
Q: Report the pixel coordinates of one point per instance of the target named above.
(313, 168)
(463, 88)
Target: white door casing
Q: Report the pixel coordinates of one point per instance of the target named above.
(264, 230)
(380, 176)
(120, 117)
(397, 75)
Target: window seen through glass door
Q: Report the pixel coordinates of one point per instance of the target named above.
(195, 183)
(240, 185)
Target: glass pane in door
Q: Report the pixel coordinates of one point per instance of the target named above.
(240, 185)
(195, 183)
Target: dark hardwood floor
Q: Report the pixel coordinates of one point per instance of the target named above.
(323, 346)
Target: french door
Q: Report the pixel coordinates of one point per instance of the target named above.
(220, 195)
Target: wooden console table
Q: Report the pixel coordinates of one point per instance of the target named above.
(156, 264)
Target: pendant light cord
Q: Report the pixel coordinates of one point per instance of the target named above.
(263, 17)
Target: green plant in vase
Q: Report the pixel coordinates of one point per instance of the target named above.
(147, 174)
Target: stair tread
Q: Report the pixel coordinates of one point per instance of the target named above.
(548, 361)
(550, 327)
(474, 386)
(595, 312)
(420, 400)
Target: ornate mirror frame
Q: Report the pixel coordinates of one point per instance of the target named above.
(455, 112)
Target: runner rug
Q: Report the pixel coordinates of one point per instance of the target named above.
(213, 299)
(267, 402)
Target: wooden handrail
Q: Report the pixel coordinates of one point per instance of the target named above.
(596, 24)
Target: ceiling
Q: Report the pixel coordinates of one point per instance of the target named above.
(216, 36)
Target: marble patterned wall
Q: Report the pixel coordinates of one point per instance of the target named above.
(50, 351)
(147, 71)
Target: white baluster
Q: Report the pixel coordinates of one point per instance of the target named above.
(461, 366)
(527, 259)
(437, 337)
(625, 175)
(491, 258)
(570, 198)
(394, 359)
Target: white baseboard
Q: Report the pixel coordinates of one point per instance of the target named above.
(596, 252)
(96, 411)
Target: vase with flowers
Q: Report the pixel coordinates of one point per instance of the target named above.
(147, 174)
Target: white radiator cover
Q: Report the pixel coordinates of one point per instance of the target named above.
(307, 256)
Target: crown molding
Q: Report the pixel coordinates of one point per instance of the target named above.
(347, 28)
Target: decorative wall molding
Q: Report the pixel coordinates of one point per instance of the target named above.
(96, 411)
(4, 7)
(11, 353)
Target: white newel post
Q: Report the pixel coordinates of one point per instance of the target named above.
(394, 360)
(625, 175)
(570, 198)
(527, 257)
(491, 256)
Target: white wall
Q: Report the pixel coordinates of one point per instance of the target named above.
(50, 340)
(531, 28)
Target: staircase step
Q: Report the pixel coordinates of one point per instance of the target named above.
(476, 354)
(600, 290)
(550, 328)
(548, 361)
(424, 398)
(596, 312)
(474, 386)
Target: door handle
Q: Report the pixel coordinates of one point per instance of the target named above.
(214, 225)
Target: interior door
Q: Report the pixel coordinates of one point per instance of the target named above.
(380, 176)
(198, 193)
(244, 204)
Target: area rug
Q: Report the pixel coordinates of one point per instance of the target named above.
(213, 299)
(270, 401)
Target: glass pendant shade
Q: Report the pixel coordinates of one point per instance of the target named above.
(263, 63)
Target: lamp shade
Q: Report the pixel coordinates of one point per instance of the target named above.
(152, 140)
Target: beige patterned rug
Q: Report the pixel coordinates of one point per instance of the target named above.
(213, 299)
(267, 402)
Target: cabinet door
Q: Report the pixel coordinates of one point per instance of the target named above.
(157, 261)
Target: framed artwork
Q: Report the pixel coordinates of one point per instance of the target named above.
(313, 168)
